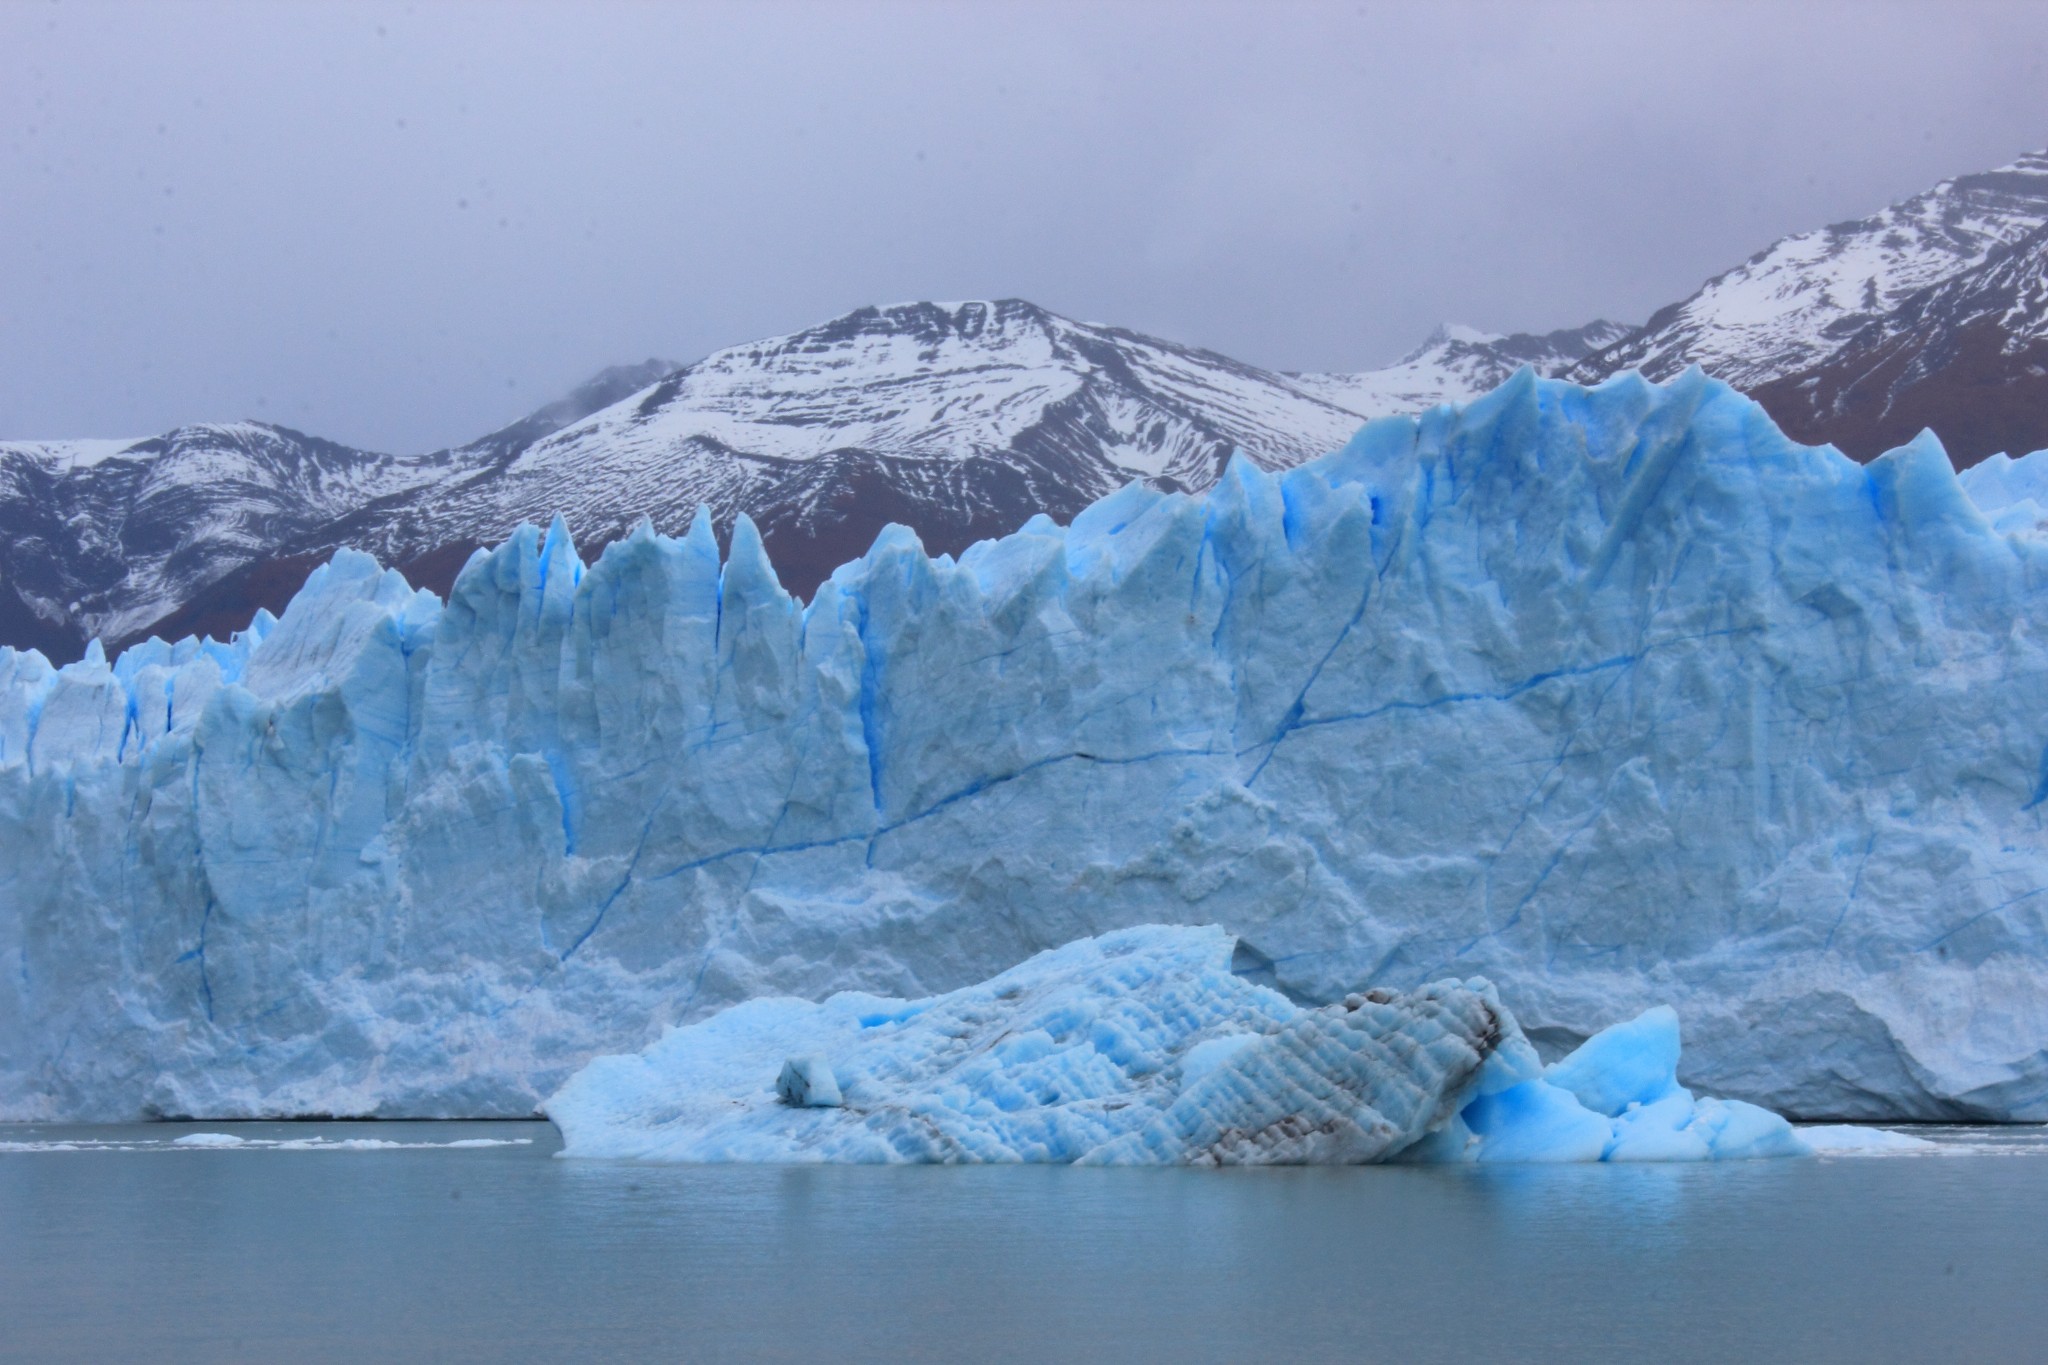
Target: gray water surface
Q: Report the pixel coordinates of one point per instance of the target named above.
(131, 1247)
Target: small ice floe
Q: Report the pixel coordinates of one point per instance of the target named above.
(325, 1144)
(1149, 1047)
(229, 1142)
(1855, 1139)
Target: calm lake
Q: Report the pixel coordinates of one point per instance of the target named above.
(132, 1246)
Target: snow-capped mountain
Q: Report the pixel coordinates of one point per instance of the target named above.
(959, 420)
(1459, 363)
(598, 392)
(964, 420)
(195, 529)
(1967, 357)
(1831, 329)
(106, 537)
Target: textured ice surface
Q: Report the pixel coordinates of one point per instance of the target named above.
(1613, 696)
(1142, 1047)
(2013, 494)
(1843, 1139)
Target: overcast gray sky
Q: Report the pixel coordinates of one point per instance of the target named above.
(401, 224)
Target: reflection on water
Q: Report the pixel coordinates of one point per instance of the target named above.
(306, 1249)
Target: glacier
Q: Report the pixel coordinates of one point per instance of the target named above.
(1615, 697)
(1145, 1048)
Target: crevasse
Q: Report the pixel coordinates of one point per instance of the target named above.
(1615, 697)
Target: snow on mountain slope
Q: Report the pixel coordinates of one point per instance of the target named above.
(107, 537)
(198, 528)
(1967, 357)
(1791, 309)
(598, 392)
(1458, 364)
(961, 421)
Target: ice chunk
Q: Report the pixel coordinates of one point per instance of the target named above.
(2001, 482)
(1138, 1047)
(210, 1140)
(1853, 1139)
(1343, 1085)
(1662, 1130)
(1141, 1047)
(808, 1083)
(1535, 1121)
(1736, 1130)
(1616, 1098)
(1618, 1094)
(1625, 1064)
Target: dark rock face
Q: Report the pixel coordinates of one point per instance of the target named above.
(106, 543)
(1967, 358)
(195, 530)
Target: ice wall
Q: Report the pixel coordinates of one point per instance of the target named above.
(1614, 696)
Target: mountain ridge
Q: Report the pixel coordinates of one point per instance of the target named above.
(962, 420)
(1811, 324)
(959, 420)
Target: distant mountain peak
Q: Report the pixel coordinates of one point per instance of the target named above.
(1816, 325)
(1546, 351)
(594, 394)
(1452, 333)
(1456, 363)
(962, 419)
(1790, 306)
(967, 320)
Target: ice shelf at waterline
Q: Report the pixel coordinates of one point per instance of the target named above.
(1615, 697)
(1143, 1048)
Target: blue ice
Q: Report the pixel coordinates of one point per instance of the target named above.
(1145, 1047)
(1614, 697)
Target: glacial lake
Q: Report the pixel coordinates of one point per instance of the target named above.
(129, 1246)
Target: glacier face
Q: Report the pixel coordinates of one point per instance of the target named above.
(1613, 696)
(1144, 1048)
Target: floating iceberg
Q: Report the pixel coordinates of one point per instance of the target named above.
(1614, 697)
(1143, 1047)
